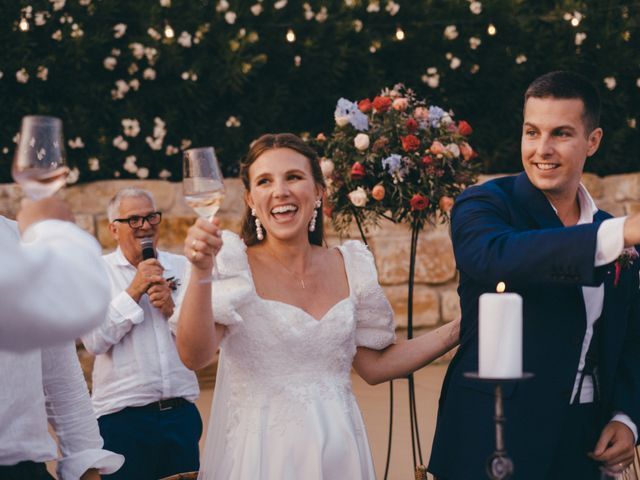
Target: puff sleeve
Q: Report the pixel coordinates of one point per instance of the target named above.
(375, 327)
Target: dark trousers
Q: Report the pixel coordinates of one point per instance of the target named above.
(155, 443)
(25, 471)
(578, 437)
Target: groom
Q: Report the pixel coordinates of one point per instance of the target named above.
(541, 233)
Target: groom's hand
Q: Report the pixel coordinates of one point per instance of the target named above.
(615, 447)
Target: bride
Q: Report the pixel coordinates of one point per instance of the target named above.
(291, 318)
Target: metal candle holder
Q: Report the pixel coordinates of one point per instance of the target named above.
(499, 464)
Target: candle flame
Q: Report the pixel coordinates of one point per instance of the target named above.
(501, 287)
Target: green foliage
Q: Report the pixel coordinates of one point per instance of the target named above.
(248, 71)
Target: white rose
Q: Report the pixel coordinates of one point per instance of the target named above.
(342, 121)
(327, 167)
(361, 141)
(454, 149)
(358, 197)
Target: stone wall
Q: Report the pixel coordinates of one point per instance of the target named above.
(436, 300)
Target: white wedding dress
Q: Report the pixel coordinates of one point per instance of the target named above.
(283, 406)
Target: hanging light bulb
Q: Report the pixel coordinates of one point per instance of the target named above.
(168, 30)
(290, 36)
(400, 34)
(491, 29)
(23, 25)
(575, 21)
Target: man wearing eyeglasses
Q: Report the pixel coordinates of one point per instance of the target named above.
(142, 393)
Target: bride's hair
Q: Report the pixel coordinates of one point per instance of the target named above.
(272, 141)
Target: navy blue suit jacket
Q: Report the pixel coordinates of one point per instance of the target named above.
(506, 230)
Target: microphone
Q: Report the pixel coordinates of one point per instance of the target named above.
(147, 248)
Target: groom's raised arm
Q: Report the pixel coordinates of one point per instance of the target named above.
(490, 249)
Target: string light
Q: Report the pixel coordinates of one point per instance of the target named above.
(491, 29)
(575, 21)
(23, 25)
(290, 36)
(168, 30)
(400, 34)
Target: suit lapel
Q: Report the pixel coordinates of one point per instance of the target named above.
(533, 201)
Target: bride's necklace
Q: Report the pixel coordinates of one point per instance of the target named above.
(294, 274)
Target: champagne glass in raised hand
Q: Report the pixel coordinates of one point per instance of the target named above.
(39, 163)
(202, 184)
(202, 181)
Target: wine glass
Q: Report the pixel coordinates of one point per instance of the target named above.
(39, 163)
(202, 185)
(202, 182)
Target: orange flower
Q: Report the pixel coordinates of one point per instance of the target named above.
(365, 105)
(445, 203)
(437, 148)
(378, 192)
(466, 151)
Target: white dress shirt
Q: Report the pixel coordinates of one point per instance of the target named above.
(137, 362)
(53, 288)
(48, 385)
(609, 244)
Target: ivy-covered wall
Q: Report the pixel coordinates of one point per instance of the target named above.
(136, 81)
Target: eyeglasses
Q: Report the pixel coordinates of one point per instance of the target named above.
(136, 221)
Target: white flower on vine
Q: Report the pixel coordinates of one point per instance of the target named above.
(73, 176)
(149, 74)
(154, 143)
(475, 7)
(230, 17)
(134, 84)
(474, 42)
(322, 15)
(130, 127)
(94, 164)
(392, 7)
(58, 4)
(133, 68)
(22, 76)
(153, 33)
(130, 164)
(137, 50)
(40, 18)
(164, 174)
(110, 63)
(222, 6)
(374, 6)
(185, 39)
(580, 37)
(76, 31)
(520, 59)
(232, 122)
(171, 150)
(455, 63)
(165, 3)
(280, 4)
(143, 172)
(119, 30)
(120, 143)
(451, 32)
(151, 54)
(57, 35)
(610, 82)
(256, 9)
(75, 143)
(42, 73)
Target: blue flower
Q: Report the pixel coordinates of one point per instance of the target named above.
(347, 111)
(435, 115)
(393, 164)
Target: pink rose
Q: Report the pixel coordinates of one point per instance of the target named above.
(400, 104)
(437, 148)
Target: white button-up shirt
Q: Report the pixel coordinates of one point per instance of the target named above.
(53, 288)
(47, 385)
(609, 244)
(137, 362)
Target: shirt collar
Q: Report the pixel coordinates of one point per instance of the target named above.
(587, 205)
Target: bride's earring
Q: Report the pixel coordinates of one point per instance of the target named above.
(259, 231)
(314, 217)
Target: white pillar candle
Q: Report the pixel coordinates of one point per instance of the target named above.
(500, 335)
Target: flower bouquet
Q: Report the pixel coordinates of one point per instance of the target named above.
(399, 158)
(395, 157)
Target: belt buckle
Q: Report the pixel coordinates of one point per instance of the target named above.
(163, 408)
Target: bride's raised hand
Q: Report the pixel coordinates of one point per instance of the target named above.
(202, 244)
